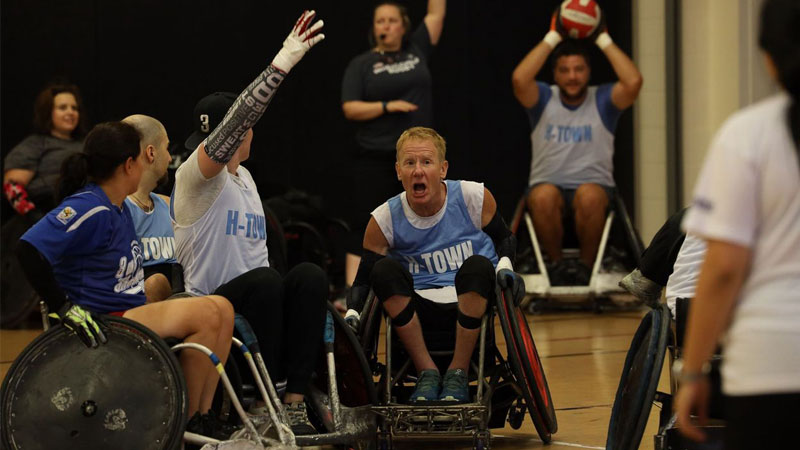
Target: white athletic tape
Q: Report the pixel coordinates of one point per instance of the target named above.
(603, 40)
(552, 38)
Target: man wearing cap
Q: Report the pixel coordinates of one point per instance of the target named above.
(220, 231)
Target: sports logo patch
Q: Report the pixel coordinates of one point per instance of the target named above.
(66, 215)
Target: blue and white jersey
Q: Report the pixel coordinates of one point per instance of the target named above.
(154, 229)
(92, 246)
(229, 239)
(434, 248)
(573, 145)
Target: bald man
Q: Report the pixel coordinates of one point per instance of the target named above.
(150, 211)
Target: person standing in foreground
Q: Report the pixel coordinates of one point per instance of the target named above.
(746, 206)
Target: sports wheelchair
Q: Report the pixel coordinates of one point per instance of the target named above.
(657, 336)
(619, 252)
(58, 390)
(503, 389)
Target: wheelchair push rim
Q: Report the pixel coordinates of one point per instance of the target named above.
(530, 388)
(126, 394)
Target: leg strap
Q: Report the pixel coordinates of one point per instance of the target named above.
(468, 322)
(405, 315)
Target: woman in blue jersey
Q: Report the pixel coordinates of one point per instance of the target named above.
(84, 259)
(429, 255)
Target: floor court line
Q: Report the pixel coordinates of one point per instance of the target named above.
(566, 444)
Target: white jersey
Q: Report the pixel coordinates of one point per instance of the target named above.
(229, 239)
(571, 146)
(683, 281)
(747, 195)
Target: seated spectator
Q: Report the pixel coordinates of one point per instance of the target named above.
(150, 211)
(84, 259)
(429, 255)
(30, 170)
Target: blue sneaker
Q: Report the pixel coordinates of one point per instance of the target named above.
(455, 386)
(427, 386)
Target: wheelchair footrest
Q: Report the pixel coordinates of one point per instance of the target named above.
(430, 420)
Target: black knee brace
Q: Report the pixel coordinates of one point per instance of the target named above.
(468, 322)
(389, 278)
(405, 315)
(476, 275)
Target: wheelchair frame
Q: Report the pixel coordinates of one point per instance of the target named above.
(441, 420)
(602, 283)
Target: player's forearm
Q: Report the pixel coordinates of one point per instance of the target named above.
(243, 115)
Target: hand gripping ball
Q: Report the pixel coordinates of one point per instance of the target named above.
(579, 17)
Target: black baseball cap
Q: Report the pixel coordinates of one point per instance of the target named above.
(208, 113)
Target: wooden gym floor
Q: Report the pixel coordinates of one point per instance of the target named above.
(582, 354)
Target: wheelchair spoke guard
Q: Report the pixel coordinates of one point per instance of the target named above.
(126, 394)
(526, 366)
(639, 381)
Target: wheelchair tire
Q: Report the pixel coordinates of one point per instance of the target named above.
(304, 243)
(532, 365)
(126, 394)
(639, 381)
(354, 372)
(276, 241)
(370, 326)
(528, 385)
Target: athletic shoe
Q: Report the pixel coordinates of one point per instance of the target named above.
(298, 418)
(216, 428)
(455, 386)
(642, 287)
(427, 389)
(558, 273)
(581, 274)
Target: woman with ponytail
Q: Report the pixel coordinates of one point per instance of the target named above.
(84, 260)
(747, 208)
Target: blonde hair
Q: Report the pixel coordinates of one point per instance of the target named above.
(422, 134)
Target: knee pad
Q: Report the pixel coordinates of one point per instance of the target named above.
(476, 275)
(405, 315)
(468, 322)
(389, 278)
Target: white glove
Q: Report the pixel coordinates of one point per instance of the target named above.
(299, 41)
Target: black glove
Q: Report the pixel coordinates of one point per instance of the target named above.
(353, 319)
(508, 279)
(357, 297)
(81, 322)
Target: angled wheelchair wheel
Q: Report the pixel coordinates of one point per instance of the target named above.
(369, 326)
(521, 356)
(639, 381)
(354, 376)
(276, 241)
(126, 394)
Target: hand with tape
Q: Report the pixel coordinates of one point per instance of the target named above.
(557, 32)
(82, 323)
(600, 35)
(353, 319)
(300, 40)
(508, 279)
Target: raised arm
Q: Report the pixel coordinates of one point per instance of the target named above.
(434, 19)
(223, 142)
(625, 91)
(523, 79)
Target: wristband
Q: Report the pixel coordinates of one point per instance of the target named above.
(603, 40)
(352, 313)
(682, 376)
(385, 111)
(552, 38)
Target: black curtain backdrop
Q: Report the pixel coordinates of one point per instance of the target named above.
(160, 57)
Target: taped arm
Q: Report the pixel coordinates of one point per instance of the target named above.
(375, 249)
(505, 243)
(248, 108)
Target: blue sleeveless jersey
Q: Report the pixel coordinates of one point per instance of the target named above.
(94, 252)
(154, 230)
(434, 255)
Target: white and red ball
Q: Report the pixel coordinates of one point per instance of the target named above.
(579, 17)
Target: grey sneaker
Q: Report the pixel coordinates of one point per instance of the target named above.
(298, 419)
(455, 386)
(642, 287)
